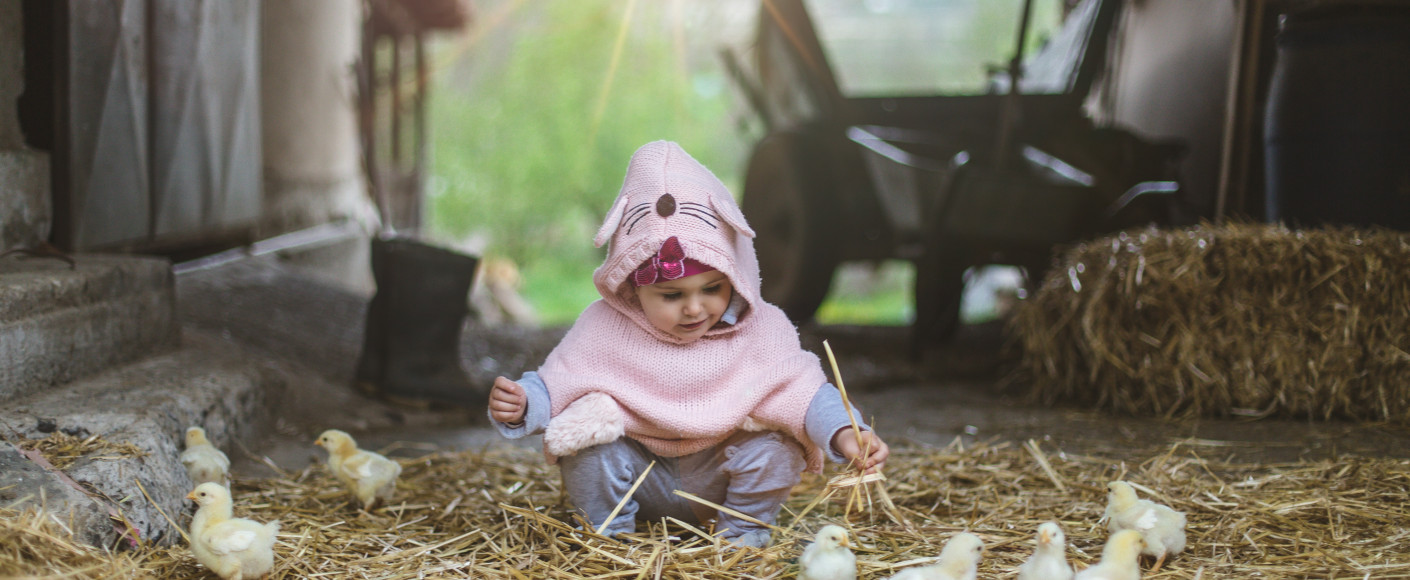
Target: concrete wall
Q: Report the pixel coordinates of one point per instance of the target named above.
(24, 173)
(312, 156)
(1169, 79)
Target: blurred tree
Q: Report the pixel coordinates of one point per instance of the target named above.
(530, 151)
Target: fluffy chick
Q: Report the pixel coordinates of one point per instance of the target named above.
(1049, 559)
(959, 560)
(828, 557)
(1162, 528)
(203, 461)
(1118, 558)
(233, 548)
(370, 476)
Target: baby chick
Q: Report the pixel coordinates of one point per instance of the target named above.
(233, 548)
(1049, 559)
(959, 560)
(203, 461)
(1162, 528)
(828, 557)
(1118, 558)
(370, 476)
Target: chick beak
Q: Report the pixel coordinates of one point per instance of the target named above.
(318, 442)
(1044, 537)
(844, 543)
(191, 496)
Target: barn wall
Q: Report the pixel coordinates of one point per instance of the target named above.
(24, 172)
(1168, 78)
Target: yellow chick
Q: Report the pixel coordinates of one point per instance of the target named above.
(233, 548)
(203, 461)
(828, 557)
(1162, 528)
(959, 560)
(370, 476)
(1118, 558)
(1049, 559)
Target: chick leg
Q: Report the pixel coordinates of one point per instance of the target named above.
(1158, 561)
(230, 570)
(371, 504)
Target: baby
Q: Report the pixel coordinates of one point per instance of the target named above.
(681, 363)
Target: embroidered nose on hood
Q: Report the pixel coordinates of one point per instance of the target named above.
(667, 195)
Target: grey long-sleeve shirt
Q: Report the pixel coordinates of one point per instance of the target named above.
(826, 415)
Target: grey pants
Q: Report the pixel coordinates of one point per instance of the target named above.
(750, 472)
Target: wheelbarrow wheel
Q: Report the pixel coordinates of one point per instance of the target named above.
(791, 210)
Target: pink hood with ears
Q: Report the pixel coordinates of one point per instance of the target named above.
(667, 193)
(615, 374)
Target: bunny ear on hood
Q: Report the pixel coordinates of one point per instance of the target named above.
(609, 225)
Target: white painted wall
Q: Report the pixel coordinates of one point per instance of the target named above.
(312, 157)
(1169, 77)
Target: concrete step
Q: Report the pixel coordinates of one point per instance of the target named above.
(60, 323)
(147, 404)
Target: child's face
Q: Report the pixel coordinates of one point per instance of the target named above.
(686, 307)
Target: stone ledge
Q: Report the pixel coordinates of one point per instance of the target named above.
(59, 324)
(150, 403)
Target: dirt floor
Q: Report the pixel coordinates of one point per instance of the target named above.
(313, 333)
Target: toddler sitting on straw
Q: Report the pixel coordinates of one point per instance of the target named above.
(681, 366)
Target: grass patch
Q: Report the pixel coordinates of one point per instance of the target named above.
(871, 293)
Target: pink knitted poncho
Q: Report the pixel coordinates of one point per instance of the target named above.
(615, 374)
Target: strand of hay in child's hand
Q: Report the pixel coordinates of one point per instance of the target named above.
(862, 478)
(846, 404)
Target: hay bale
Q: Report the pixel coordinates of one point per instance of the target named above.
(1240, 319)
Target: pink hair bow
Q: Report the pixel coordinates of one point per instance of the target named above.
(668, 263)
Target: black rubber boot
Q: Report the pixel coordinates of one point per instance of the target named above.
(411, 344)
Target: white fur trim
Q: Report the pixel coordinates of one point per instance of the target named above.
(593, 419)
(750, 424)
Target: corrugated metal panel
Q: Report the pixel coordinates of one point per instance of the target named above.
(207, 170)
(107, 129)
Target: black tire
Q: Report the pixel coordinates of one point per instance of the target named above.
(790, 206)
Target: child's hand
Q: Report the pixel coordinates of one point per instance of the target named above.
(845, 442)
(507, 401)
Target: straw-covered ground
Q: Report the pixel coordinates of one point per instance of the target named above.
(500, 514)
(1231, 320)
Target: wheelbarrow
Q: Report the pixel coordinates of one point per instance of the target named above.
(948, 182)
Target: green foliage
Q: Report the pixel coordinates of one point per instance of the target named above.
(524, 159)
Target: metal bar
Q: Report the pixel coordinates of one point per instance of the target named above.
(1008, 116)
(416, 178)
(367, 118)
(752, 91)
(1238, 109)
(423, 79)
(316, 236)
(395, 84)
